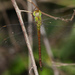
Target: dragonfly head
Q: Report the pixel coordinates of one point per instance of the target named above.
(37, 13)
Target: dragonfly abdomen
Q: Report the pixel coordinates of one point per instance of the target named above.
(39, 47)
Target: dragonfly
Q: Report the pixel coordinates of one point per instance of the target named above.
(38, 21)
(53, 29)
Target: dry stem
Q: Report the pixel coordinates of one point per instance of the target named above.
(57, 64)
(56, 18)
(18, 11)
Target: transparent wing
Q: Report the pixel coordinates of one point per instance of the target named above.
(55, 30)
(58, 30)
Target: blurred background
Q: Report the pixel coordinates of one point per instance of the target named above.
(57, 38)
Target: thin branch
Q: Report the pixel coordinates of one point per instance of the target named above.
(63, 64)
(29, 8)
(56, 18)
(33, 4)
(25, 36)
(26, 11)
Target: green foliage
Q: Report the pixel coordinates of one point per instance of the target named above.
(46, 71)
(70, 70)
(17, 66)
(69, 48)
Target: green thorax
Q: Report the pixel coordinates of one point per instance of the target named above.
(37, 16)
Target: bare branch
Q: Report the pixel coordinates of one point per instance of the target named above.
(62, 64)
(25, 11)
(33, 4)
(25, 36)
(56, 18)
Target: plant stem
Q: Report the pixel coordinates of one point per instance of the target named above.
(18, 11)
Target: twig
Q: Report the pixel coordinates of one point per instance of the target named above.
(56, 18)
(25, 36)
(30, 70)
(29, 8)
(63, 64)
(25, 11)
(33, 4)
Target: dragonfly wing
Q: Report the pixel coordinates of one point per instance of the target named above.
(57, 29)
(54, 29)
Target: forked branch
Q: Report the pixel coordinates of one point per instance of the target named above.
(56, 18)
(18, 11)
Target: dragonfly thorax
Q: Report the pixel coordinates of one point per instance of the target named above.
(37, 16)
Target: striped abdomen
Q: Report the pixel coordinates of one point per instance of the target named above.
(39, 47)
